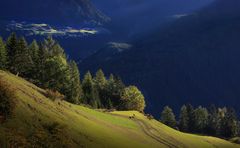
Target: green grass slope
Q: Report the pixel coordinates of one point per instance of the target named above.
(40, 122)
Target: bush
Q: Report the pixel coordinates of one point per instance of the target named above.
(6, 100)
(132, 99)
(149, 116)
(235, 140)
(54, 95)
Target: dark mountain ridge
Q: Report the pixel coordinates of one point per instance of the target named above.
(52, 11)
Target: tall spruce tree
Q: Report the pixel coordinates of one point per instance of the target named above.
(100, 79)
(23, 63)
(212, 121)
(75, 93)
(115, 88)
(168, 117)
(191, 122)
(229, 124)
(34, 53)
(12, 46)
(3, 55)
(100, 85)
(200, 120)
(58, 76)
(90, 92)
(183, 119)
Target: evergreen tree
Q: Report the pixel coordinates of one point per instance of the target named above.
(200, 120)
(90, 94)
(100, 85)
(23, 63)
(3, 55)
(190, 111)
(100, 79)
(229, 124)
(11, 46)
(184, 119)
(58, 74)
(75, 93)
(34, 53)
(168, 117)
(132, 99)
(115, 88)
(212, 121)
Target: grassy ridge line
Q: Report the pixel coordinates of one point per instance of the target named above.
(90, 128)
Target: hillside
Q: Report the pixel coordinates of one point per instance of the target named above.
(38, 121)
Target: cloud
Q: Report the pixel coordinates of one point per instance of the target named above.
(45, 29)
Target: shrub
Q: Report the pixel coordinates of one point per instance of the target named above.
(132, 99)
(235, 140)
(6, 100)
(149, 116)
(54, 95)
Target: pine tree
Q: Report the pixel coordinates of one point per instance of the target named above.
(100, 79)
(23, 63)
(88, 89)
(229, 124)
(75, 93)
(43, 56)
(200, 120)
(100, 85)
(3, 55)
(168, 117)
(190, 111)
(58, 75)
(34, 51)
(11, 46)
(212, 121)
(183, 119)
(114, 89)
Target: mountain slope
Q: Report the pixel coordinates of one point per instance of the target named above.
(38, 121)
(133, 17)
(68, 12)
(195, 60)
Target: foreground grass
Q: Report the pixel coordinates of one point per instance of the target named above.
(39, 122)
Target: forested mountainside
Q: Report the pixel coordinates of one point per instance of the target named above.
(193, 60)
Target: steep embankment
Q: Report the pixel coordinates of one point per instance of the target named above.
(39, 121)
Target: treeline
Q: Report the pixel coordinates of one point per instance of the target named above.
(213, 121)
(46, 65)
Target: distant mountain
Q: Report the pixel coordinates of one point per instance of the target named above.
(194, 60)
(76, 23)
(134, 17)
(52, 11)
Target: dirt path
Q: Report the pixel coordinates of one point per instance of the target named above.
(155, 134)
(151, 132)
